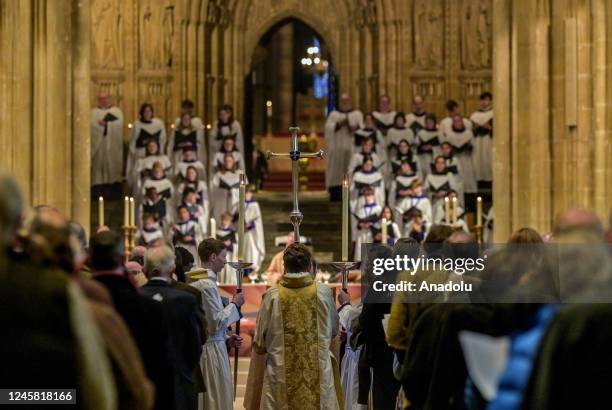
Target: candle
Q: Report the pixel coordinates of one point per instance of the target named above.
(132, 213)
(446, 210)
(269, 108)
(213, 228)
(100, 211)
(241, 202)
(126, 211)
(384, 230)
(479, 211)
(345, 218)
(454, 210)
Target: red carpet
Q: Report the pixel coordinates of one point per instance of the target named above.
(281, 181)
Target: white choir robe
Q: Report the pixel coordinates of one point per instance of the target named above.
(202, 219)
(376, 181)
(254, 242)
(383, 121)
(393, 231)
(163, 186)
(339, 145)
(483, 145)
(224, 193)
(422, 203)
(188, 228)
(400, 183)
(215, 139)
(188, 137)
(201, 191)
(380, 145)
(148, 206)
(427, 137)
(462, 143)
(145, 237)
(276, 330)
(106, 146)
(440, 182)
(363, 212)
(447, 124)
(454, 167)
(415, 121)
(357, 161)
(141, 132)
(215, 361)
(219, 158)
(349, 373)
(196, 122)
(180, 169)
(135, 180)
(394, 136)
(227, 275)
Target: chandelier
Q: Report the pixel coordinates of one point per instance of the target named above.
(314, 61)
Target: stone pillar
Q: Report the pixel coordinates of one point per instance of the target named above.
(284, 107)
(502, 194)
(46, 139)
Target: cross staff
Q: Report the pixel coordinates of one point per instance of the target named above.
(294, 155)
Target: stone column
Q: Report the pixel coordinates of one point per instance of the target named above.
(502, 193)
(284, 108)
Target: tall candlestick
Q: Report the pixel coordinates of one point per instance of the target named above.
(384, 231)
(479, 211)
(132, 213)
(213, 228)
(100, 211)
(241, 203)
(269, 109)
(454, 210)
(345, 218)
(126, 211)
(447, 210)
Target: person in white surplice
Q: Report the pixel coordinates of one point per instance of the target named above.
(215, 362)
(296, 325)
(106, 142)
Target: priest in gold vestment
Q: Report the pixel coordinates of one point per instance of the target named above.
(296, 325)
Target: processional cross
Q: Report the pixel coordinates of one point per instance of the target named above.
(294, 155)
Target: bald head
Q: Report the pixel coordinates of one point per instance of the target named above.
(103, 99)
(345, 102)
(460, 237)
(579, 220)
(159, 261)
(11, 207)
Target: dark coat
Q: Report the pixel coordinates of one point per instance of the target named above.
(149, 326)
(182, 311)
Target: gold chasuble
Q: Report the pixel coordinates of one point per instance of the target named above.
(293, 365)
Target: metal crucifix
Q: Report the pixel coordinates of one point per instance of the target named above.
(294, 155)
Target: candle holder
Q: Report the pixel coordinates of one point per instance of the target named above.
(344, 268)
(129, 240)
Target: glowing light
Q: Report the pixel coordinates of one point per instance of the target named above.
(130, 125)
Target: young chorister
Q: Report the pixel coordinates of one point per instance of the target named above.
(160, 182)
(153, 203)
(398, 132)
(461, 140)
(415, 226)
(367, 150)
(186, 232)
(254, 242)
(365, 216)
(227, 234)
(427, 143)
(375, 233)
(453, 166)
(226, 125)
(482, 128)
(186, 134)
(400, 186)
(415, 199)
(450, 212)
(197, 212)
(189, 160)
(144, 166)
(145, 129)
(229, 148)
(225, 188)
(150, 231)
(440, 181)
(404, 154)
(368, 130)
(192, 180)
(367, 177)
